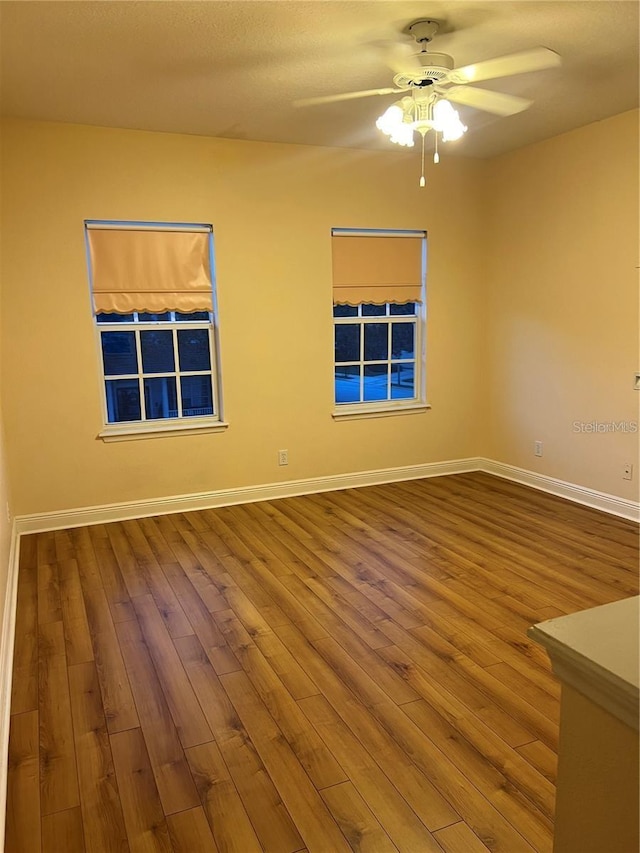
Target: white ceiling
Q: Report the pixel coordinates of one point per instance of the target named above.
(231, 68)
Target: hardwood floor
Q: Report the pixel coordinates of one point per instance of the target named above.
(343, 671)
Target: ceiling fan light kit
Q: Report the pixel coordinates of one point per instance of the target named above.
(431, 84)
(411, 114)
(420, 115)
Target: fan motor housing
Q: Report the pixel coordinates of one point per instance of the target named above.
(434, 67)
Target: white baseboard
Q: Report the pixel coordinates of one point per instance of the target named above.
(6, 668)
(578, 494)
(39, 522)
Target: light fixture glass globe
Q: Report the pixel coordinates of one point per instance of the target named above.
(396, 128)
(390, 119)
(403, 135)
(447, 121)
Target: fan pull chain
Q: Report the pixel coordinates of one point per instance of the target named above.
(422, 178)
(436, 156)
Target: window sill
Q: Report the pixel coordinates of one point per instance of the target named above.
(131, 433)
(351, 414)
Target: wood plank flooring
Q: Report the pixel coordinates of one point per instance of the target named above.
(343, 671)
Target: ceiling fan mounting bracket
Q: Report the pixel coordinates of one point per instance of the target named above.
(423, 30)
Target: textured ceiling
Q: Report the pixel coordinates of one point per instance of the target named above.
(233, 69)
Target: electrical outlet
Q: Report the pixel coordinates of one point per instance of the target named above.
(283, 457)
(627, 471)
(537, 448)
(8, 513)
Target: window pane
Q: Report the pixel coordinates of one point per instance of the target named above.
(193, 349)
(376, 344)
(402, 381)
(406, 308)
(347, 384)
(157, 352)
(119, 353)
(375, 382)
(160, 397)
(123, 400)
(197, 397)
(153, 318)
(402, 340)
(345, 310)
(195, 315)
(374, 310)
(347, 343)
(114, 318)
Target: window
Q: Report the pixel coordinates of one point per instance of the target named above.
(375, 352)
(378, 311)
(156, 366)
(155, 322)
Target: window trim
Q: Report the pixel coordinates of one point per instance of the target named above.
(158, 427)
(382, 408)
(359, 414)
(149, 429)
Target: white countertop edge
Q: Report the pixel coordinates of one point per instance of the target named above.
(616, 695)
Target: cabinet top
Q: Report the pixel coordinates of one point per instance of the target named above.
(597, 652)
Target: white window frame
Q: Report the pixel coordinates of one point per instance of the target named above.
(154, 427)
(379, 408)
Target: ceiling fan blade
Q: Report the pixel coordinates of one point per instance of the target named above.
(401, 58)
(346, 96)
(484, 99)
(504, 66)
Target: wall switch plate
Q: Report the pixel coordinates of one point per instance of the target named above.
(537, 448)
(627, 471)
(283, 457)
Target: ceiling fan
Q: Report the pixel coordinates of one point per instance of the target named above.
(429, 83)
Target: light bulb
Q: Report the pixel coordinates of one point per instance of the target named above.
(436, 158)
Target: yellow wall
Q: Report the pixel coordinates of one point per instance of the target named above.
(532, 298)
(5, 526)
(563, 301)
(272, 208)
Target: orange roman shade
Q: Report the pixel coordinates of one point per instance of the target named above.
(376, 269)
(150, 270)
